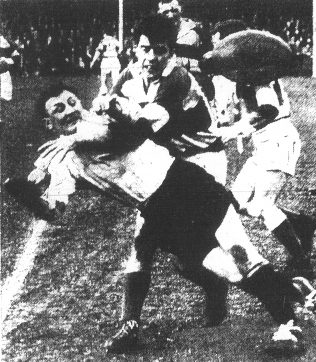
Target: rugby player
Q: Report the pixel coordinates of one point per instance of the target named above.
(187, 34)
(187, 132)
(276, 151)
(110, 64)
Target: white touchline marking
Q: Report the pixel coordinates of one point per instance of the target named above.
(24, 264)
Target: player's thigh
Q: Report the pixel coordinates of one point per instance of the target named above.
(190, 244)
(115, 70)
(214, 163)
(105, 67)
(279, 151)
(231, 233)
(229, 253)
(222, 264)
(269, 184)
(236, 256)
(243, 187)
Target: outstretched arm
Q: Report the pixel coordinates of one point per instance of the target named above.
(95, 57)
(244, 127)
(88, 132)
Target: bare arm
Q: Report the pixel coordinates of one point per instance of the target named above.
(245, 127)
(95, 57)
(87, 132)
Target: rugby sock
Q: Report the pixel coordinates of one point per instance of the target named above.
(136, 289)
(215, 289)
(286, 235)
(275, 291)
(304, 226)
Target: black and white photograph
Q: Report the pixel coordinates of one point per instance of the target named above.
(158, 180)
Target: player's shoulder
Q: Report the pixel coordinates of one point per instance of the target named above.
(188, 24)
(179, 71)
(188, 32)
(176, 84)
(179, 75)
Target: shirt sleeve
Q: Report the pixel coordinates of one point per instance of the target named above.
(124, 76)
(191, 38)
(173, 90)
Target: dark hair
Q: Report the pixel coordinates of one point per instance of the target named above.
(158, 29)
(169, 1)
(228, 27)
(53, 90)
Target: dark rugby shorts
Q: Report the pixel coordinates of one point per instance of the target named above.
(182, 216)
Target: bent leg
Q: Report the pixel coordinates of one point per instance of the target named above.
(239, 262)
(234, 241)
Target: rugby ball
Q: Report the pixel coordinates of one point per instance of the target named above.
(252, 56)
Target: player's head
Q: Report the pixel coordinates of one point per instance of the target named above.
(60, 108)
(155, 37)
(225, 28)
(170, 9)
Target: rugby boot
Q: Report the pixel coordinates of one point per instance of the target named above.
(287, 341)
(125, 339)
(29, 195)
(308, 292)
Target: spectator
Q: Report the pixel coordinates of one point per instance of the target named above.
(7, 54)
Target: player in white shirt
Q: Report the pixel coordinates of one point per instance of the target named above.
(110, 64)
(276, 151)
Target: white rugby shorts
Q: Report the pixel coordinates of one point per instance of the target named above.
(277, 147)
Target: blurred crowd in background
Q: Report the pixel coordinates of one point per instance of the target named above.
(61, 37)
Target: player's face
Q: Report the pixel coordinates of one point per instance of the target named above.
(64, 112)
(170, 10)
(153, 57)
